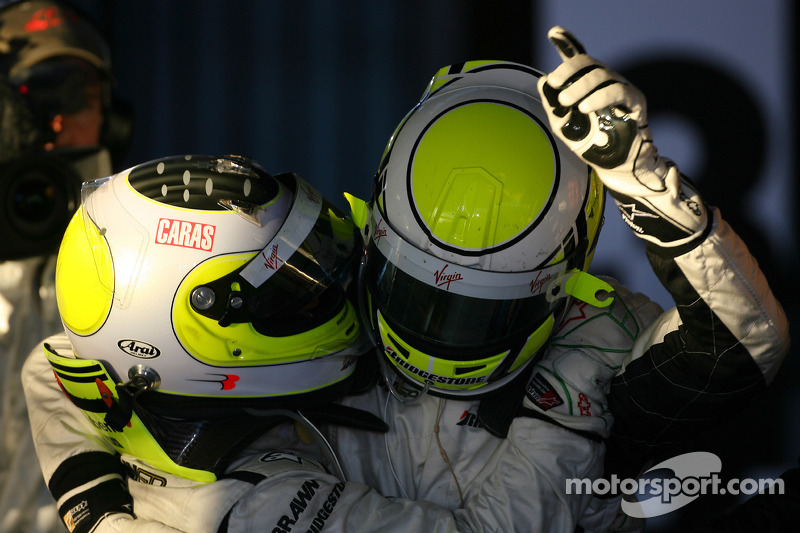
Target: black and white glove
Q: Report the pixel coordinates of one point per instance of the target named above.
(602, 118)
(125, 523)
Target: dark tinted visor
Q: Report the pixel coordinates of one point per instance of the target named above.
(451, 311)
(300, 278)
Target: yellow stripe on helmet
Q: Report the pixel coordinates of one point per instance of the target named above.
(88, 382)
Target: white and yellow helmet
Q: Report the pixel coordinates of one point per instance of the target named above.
(481, 225)
(209, 284)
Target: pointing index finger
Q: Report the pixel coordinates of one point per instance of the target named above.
(566, 44)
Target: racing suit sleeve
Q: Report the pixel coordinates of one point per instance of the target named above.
(703, 360)
(283, 491)
(709, 356)
(277, 487)
(83, 473)
(269, 489)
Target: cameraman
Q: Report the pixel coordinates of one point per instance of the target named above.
(57, 129)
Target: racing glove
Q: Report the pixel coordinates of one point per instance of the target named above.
(602, 118)
(125, 523)
(571, 382)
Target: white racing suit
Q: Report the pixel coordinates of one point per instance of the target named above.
(435, 470)
(27, 314)
(702, 361)
(279, 484)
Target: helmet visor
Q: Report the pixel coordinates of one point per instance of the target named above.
(299, 279)
(452, 311)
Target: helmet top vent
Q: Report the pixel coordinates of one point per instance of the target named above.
(204, 182)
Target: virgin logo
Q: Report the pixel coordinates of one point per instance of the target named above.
(537, 284)
(310, 194)
(379, 233)
(186, 234)
(444, 280)
(273, 261)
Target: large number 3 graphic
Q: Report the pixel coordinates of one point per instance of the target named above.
(733, 131)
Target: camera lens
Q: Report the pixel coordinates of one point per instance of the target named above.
(37, 205)
(39, 196)
(33, 200)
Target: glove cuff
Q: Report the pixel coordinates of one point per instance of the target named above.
(87, 487)
(669, 218)
(566, 405)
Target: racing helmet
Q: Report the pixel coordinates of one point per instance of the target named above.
(481, 227)
(194, 289)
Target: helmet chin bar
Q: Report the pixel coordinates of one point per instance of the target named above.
(571, 284)
(391, 377)
(388, 375)
(410, 392)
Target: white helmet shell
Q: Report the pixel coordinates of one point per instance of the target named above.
(178, 265)
(456, 191)
(479, 215)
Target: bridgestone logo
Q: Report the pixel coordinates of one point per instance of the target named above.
(427, 376)
(305, 497)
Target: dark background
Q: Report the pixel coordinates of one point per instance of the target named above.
(317, 87)
(313, 87)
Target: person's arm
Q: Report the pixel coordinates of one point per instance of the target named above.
(516, 488)
(707, 358)
(278, 486)
(83, 472)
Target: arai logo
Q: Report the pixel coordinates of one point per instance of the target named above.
(139, 349)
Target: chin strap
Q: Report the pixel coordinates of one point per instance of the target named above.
(120, 412)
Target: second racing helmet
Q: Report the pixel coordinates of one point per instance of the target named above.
(197, 289)
(481, 226)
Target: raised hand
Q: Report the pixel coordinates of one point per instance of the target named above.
(602, 118)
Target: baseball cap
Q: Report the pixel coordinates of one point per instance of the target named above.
(33, 31)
